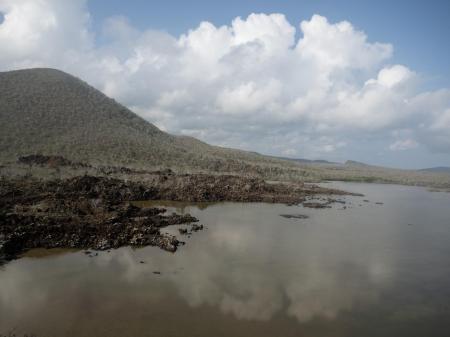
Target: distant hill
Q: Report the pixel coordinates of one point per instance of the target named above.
(310, 161)
(440, 169)
(356, 163)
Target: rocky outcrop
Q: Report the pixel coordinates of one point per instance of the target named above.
(86, 212)
(95, 211)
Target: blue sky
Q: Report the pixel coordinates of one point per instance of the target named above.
(336, 80)
(418, 29)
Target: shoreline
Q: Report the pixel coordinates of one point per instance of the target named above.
(99, 212)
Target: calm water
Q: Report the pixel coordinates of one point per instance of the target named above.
(368, 270)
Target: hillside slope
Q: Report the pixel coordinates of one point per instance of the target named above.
(51, 112)
(48, 111)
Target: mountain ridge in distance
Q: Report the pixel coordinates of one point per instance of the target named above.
(437, 169)
(310, 161)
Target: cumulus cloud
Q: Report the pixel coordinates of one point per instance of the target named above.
(401, 145)
(34, 32)
(333, 46)
(259, 83)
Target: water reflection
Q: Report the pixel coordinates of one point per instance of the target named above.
(250, 265)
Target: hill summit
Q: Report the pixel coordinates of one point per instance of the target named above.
(49, 111)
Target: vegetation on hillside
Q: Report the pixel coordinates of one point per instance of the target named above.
(49, 112)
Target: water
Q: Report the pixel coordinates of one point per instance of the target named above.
(368, 270)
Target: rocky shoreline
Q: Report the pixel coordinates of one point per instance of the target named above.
(96, 212)
(84, 212)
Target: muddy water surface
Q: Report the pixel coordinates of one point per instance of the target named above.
(367, 270)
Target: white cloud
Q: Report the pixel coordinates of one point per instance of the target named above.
(333, 46)
(34, 32)
(442, 122)
(405, 144)
(248, 97)
(393, 76)
(249, 84)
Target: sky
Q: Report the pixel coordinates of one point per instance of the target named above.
(336, 80)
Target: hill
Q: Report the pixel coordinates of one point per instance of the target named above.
(310, 161)
(439, 169)
(49, 112)
(355, 163)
